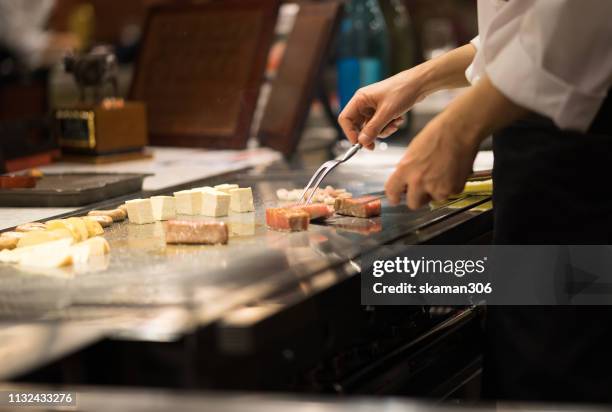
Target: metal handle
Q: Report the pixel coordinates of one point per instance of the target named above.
(351, 152)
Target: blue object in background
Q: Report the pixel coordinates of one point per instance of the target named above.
(363, 50)
(348, 78)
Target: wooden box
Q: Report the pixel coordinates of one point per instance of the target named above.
(102, 129)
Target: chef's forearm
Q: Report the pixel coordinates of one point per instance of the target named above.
(481, 111)
(446, 71)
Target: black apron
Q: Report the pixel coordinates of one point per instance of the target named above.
(551, 187)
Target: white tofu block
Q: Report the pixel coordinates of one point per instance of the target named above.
(203, 188)
(188, 202)
(242, 200)
(215, 203)
(140, 211)
(226, 187)
(164, 207)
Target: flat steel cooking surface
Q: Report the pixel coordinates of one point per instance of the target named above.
(142, 271)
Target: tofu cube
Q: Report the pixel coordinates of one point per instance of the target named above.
(164, 207)
(140, 211)
(203, 188)
(226, 187)
(215, 203)
(188, 202)
(242, 200)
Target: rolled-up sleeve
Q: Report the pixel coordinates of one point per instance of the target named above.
(556, 59)
(471, 73)
(476, 42)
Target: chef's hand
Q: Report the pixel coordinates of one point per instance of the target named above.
(436, 164)
(377, 110)
(439, 159)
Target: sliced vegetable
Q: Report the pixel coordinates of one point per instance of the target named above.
(36, 238)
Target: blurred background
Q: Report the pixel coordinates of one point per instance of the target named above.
(374, 39)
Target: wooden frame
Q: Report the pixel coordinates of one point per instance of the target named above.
(200, 70)
(299, 74)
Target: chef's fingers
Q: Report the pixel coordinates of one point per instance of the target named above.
(394, 188)
(374, 126)
(388, 131)
(391, 128)
(351, 118)
(416, 197)
(366, 111)
(398, 121)
(350, 128)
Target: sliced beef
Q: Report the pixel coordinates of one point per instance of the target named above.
(196, 232)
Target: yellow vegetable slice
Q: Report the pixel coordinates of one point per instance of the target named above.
(84, 251)
(8, 242)
(485, 207)
(13, 235)
(80, 226)
(93, 228)
(16, 255)
(64, 224)
(44, 257)
(479, 186)
(36, 238)
(104, 221)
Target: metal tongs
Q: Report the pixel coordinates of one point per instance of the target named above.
(322, 172)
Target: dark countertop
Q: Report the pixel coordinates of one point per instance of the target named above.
(118, 400)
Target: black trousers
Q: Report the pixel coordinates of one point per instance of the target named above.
(551, 187)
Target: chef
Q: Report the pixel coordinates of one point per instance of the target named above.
(539, 72)
(24, 34)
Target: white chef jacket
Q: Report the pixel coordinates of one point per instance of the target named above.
(22, 28)
(553, 57)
